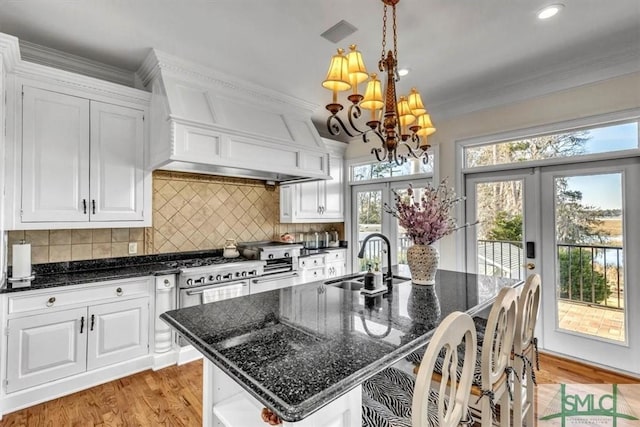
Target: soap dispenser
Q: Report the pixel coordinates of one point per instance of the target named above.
(377, 279)
(369, 278)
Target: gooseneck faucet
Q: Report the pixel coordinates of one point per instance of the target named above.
(389, 277)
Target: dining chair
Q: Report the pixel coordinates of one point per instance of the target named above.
(491, 381)
(393, 398)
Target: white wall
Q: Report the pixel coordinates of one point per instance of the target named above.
(617, 94)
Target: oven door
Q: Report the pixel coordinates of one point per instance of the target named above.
(275, 281)
(204, 294)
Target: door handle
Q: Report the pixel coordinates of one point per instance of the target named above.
(84, 206)
(93, 321)
(530, 266)
(81, 324)
(93, 206)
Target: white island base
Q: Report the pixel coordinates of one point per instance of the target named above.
(225, 403)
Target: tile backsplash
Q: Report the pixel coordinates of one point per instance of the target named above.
(190, 212)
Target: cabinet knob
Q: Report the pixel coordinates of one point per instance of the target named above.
(50, 301)
(167, 283)
(119, 291)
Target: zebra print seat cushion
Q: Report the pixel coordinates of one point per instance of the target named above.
(387, 398)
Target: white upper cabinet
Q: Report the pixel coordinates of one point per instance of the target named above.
(55, 157)
(318, 201)
(117, 163)
(77, 162)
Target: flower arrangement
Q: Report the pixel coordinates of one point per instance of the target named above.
(430, 218)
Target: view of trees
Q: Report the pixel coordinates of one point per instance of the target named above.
(500, 212)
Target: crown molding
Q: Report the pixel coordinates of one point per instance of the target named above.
(30, 70)
(43, 55)
(577, 73)
(157, 61)
(9, 51)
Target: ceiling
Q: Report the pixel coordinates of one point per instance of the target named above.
(463, 55)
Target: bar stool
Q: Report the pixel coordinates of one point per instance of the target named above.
(394, 398)
(525, 350)
(491, 382)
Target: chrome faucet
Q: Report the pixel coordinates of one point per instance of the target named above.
(389, 277)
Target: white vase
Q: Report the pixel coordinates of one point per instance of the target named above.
(423, 263)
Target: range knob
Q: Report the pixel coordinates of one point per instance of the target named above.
(270, 256)
(228, 276)
(189, 282)
(211, 278)
(286, 254)
(219, 277)
(244, 274)
(253, 272)
(237, 274)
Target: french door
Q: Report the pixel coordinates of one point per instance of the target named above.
(369, 216)
(576, 225)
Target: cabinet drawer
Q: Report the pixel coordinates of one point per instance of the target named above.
(311, 262)
(337, 255)
(63, 297)
(312, 274)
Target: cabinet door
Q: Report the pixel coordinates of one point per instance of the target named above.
(46, 347)
(118, 331)
(333, 204)
(117, 163)
(55, 157)
(286, 203)
(307, 200)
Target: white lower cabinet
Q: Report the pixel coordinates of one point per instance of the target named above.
(117, 331)
(46, 347)
(50, 346)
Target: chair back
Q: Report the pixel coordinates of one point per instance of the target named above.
(498, 338)
(455, 333)
(528, 304)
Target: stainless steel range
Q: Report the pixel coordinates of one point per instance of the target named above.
(215, 278)
(281, 258)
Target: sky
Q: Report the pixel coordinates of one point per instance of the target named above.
(604, 191)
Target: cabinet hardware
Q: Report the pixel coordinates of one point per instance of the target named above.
(50, 301)
(119, 291)
(81, 324)
(93, 321)
(93, 206)
(167, 283)
(84, 206)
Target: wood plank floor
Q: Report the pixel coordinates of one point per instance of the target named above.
(173, 397)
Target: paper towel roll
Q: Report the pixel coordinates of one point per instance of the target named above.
(21, 264)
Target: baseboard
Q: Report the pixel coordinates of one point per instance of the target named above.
(42, 393)
(163, 360)
(188, 354)
(578, 361)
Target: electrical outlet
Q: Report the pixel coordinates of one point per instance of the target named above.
(133, 248)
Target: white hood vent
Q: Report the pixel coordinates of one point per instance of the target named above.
(207, 123)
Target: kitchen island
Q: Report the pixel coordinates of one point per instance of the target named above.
(304, 351)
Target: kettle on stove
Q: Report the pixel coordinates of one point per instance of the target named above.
(230, 249)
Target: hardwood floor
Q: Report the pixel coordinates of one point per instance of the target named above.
(173, 397)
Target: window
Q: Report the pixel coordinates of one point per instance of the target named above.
(617, 137)
(381, 170)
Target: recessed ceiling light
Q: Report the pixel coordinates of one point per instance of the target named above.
(403, 72)
(550, 11)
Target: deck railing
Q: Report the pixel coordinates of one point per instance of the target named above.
(591, 274)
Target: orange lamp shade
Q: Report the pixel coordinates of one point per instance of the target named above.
(373, 95)
(426, 127)
(415, 103)
(404, 112)
(338, 74)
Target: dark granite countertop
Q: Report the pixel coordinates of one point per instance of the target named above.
(298, 348)
(57, 274)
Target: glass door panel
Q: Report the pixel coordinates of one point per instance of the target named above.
(369, 216)
(496, 244)
(589, 242)
(590, 294)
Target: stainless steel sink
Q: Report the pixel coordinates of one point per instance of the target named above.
(356, 282)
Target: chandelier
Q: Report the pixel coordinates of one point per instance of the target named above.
(402, 127)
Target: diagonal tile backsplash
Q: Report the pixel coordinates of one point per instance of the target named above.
(192, 212)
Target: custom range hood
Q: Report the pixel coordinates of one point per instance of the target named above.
(206, 122)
